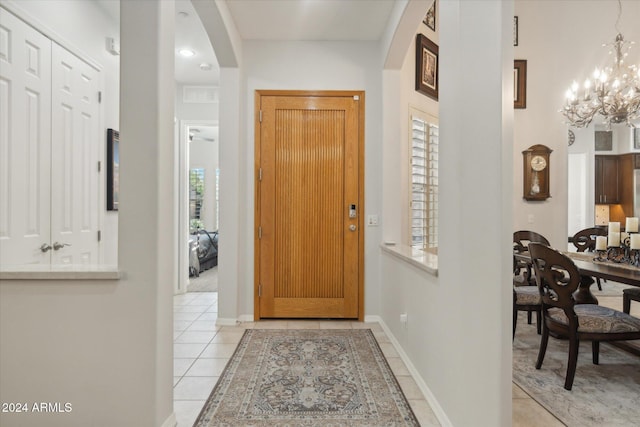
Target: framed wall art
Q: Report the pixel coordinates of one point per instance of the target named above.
(113, 169)
(520, 83)
(515, 31)
(430, 18)
(636, 138)
(426, 67)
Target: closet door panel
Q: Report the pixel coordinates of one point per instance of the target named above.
(25, 142)
(76, 141)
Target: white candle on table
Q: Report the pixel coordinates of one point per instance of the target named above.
(601, 243)
(614, 239)
(631, 226)
(635, 241)
(614, 226)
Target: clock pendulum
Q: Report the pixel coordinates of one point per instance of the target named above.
(535, 184)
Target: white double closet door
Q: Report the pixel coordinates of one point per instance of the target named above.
(50, 146)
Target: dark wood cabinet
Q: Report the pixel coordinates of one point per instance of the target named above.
(607, 191)
(626, 165)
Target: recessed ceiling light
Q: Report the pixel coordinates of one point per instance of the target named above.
(205, 66)
(187, 53)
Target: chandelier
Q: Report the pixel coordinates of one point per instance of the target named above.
(614, 92)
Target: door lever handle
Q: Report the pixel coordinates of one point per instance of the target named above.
(57, 246)
(44, 247)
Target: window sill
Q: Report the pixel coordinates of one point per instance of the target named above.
(59, 272)
(416, 257)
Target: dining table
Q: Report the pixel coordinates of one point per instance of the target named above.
(590, 268)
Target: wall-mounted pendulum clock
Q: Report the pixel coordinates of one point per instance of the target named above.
(536, 172)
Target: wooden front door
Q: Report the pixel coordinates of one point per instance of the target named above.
(309, 204)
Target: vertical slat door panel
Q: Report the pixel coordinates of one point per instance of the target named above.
(308, 256)
(309, 199)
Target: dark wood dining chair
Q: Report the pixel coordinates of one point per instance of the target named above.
(628, 295)
(521, 240)
(526, 298)
(557, 278)
(525, 294)
(585, 241)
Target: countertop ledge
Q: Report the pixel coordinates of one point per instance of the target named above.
(72, 272)
(418, 258)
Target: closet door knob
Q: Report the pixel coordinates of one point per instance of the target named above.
(57, 246)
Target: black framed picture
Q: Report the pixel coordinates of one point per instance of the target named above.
(515, 31)
(430, 18)
(520, 83)
(426, 67)
(113, 169)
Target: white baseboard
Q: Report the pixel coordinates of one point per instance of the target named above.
(226, 322)
(245, 318)
(171, 421)
(428, 395)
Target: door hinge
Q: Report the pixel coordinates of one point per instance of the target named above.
(99, 166)
(259, 232)
(260, 174)
(99, 236)
(100, 97)
(259, 290)
(260, 119)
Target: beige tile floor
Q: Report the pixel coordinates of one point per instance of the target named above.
(202, 349)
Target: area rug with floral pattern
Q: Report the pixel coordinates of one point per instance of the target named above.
(604, 395)
(301, 377)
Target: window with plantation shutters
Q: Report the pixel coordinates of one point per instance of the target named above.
(424, 184)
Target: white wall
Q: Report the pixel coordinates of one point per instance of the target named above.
(458, 334)
(106, 346)
(315, 66)
(195, 110)
(562, 42)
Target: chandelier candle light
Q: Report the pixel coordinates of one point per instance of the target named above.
(614, 92)
(620, 247)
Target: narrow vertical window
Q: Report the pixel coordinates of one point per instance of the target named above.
(424, 184)
(196, 198)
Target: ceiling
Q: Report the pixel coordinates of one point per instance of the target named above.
(310, 19)
(306, 20)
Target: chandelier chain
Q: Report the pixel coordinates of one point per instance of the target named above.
(619, 14)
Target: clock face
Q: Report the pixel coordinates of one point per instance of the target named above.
(538, 163)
